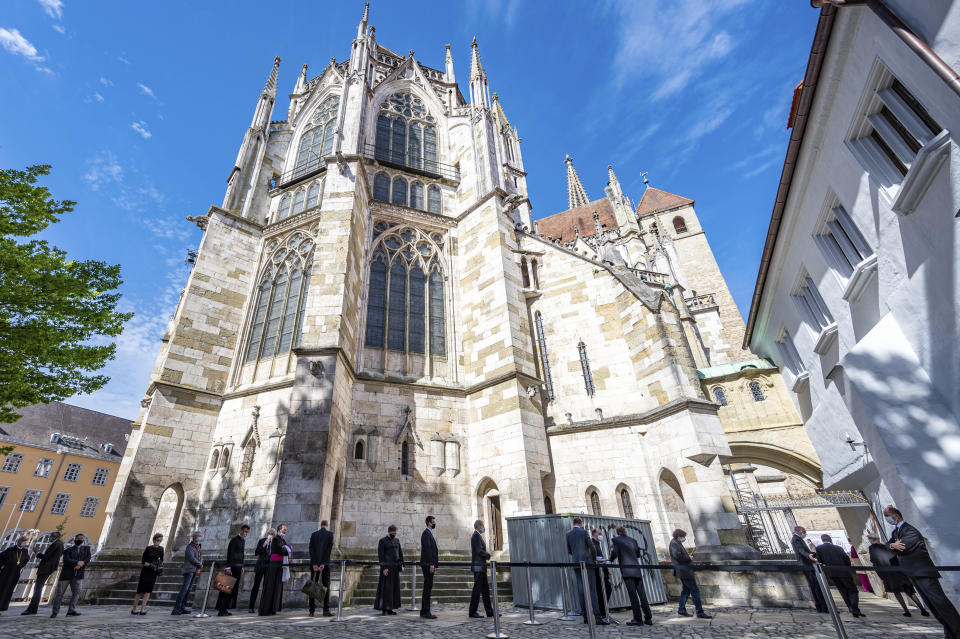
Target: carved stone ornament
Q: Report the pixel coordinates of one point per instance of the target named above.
(316, 368)
(145, 402)
(199, 220)
(408, 428)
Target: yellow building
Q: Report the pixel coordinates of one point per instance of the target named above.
(60, 472)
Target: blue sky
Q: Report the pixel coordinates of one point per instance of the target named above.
(140, 108)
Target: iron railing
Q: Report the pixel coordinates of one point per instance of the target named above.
(303, 171)
(411, 163)
(701, 302)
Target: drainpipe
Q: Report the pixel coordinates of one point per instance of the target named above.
(905, 33)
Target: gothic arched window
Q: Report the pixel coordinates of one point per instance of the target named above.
(399, 191)
(679, 225)
(433, 198)
(625, 502)
(406, 133)
(225, 458)
(298, 199)
(416, 195)
(358, 450)
(246, 463)
(544, 360)
(405, 458)
(283, 212)
(595, 503)
(215, 459)
(720, 396)
(314, 194)
(406, 297)
(757, 392)
(585, 366)
(547, 505)
(317, 141)
(278, 311)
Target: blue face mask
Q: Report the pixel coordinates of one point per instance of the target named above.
(890, 520)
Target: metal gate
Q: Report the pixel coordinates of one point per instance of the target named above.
(542, 539)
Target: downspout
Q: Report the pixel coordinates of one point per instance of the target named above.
(905, 33)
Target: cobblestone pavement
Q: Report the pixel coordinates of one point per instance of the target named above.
(883, 621)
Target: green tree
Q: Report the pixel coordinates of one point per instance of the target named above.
(56, 314)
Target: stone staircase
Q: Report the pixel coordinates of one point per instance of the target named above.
(164, 591)
(450, 586)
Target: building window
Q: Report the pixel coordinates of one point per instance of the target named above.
(313, 195)
(595, 503)
(399, 192)
(416, 195)
(358, 450)
(842, 243)
(679, 225)
(406, 297)
(44, 467)
(225, 458)
(405, 458)
(215, 459)
(625, 501)
(811, 305)
(406, 134)
(30, 500)
(524, 273)
(100, 476)
(12, 463)
(789, 355)
(757, 392)
(317, 141)
(283, 211)
(281, 297)
(4, 491)
(72, 472)
(547, 505)
(720, 396)
(60, 503)
(90, 505)
(544, 359)
(381, 187)
(433, 199)
(585, 366)
(246, 463)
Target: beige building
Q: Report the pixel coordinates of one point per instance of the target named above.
(60, 472)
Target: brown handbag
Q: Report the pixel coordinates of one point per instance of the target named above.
(224, 583)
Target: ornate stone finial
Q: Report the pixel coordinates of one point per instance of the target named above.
(596, 223)
(495, 97)
(333, 60)
(366, 11)
(373, 30)
(476, 67)
(474, 41)
(411, 54)
(447, 46)
(576, 195)
(271, 87)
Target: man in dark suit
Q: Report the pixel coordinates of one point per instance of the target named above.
(602, 574)
(911, 550)
(478, 565)
(681, 561)
(321, 545)
(235, 569)
(262, 552)
(49, 560)
(429, 558)
(390, 555)
(627, 551)
(75, 558)
(829, 554)
(806, 558)
(581, 548)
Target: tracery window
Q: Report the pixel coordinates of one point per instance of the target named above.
(317, 141)
(281, 297)
(215, 459)
(405, 458)
(283, 212)
(433, 199)
(225, 458)
(585, 366)
(679, 225)
(720, 396)
(406, 296)
(625, 501)
(757, 392)
(406, 133)
(595, 503)
(544, 360)
(416, 195)
(246, 462)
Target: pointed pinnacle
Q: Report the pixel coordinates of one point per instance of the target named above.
(271, 85)
(366, 11)
(576, 195)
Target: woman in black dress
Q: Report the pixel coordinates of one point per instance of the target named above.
(896, 583)
(152, 560)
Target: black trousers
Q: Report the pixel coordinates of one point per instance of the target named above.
(225, 601)
(586, 599)
(481, 587)
(427, 590)
(638, 598)
(818, 599)
(257, 580)
(599, 585)
(38, 590)
(944, 611)
(323, 577)
(848, 592)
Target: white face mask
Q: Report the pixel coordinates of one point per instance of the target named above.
(599, 537)
(890, 520)
(481, 530)
(682, 540)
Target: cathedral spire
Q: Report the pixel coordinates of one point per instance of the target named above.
(576, 196)
(362, 27)
(448, 75)
(479, 89)
(301, 85)
(270, 88)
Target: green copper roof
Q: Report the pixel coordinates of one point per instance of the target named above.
(729, 369)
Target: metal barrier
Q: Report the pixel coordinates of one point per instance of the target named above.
(206, 594)
(533, 619)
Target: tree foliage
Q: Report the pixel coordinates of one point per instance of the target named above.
(56, 314)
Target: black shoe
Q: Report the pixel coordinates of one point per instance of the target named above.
(635, 622)
(474, 615)
(391, 612)
(52, 615)
(143, 612)
(859, 614)
(905, 614)
(648, 621)
(73, 613)
(924, 613)
(311, 613)
(29, 612)
(327, 613)
(601, 622)
(221, 614)
(250, 610)
(383, 613)
(428, 616)
(490, 614)
(703, 615)
(684, 613)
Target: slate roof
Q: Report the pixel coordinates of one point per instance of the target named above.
(561, 225)
(657, 200)
(82, 431)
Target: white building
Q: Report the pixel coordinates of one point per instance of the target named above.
(858, 295)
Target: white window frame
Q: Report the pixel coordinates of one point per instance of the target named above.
(12, 463)
(791, 360)
(46, 465)
(31, 499)
(102, 473)
(72, 466)
(902, 192)
(61, 502)
(814, 311)
(845, 249)
(4, 492)
(87, 503)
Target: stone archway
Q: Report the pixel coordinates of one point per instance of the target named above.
(489, 509)
(774, 456)
(674, 508)
(168, 515)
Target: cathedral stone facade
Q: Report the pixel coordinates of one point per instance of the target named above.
(375, 330)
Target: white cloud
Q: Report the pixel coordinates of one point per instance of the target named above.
(141, 128)
(15, 43)
(59, 28)
(105, 82)
(167, 229)
(103, 170)
(123, 59)
(144, 89)
(53, 8)
(98, 97)
(762, 155)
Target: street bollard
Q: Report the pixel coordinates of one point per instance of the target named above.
(606, 602)
(343, 574)
(564, 590)
(413, 590)
(496, 605)
(533, 620)
(206, 595)
(588, 601)
(828, 598)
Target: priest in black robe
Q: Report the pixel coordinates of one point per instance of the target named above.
(12, 561)
(390, 556)
(272, 600)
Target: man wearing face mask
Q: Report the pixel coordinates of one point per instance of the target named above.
(681, 561)
(192, 563)
(602, 574)
(429, 558)
(75, 559)
(908, 545)
(12, 561)
(478, 565)
(807, 558)
(390, 555)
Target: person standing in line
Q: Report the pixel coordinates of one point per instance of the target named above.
(829, 555)
(272, 600)
(321, 545)
(478, 566)
(75, 559)
(235, 553)
(627, 551)
(581, 548)
(192, 563)
(152, 560)
(911, 550)
(429, 559)
(807, 557)
(855, 561)
(601, 574)
(896, 583)
(12, 561)
(262, 553)
(49, 560)
(681, 561)
(390, 555)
